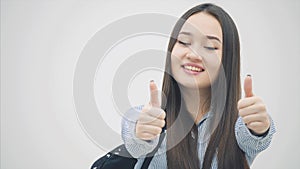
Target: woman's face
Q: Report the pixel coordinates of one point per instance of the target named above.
(196, 56)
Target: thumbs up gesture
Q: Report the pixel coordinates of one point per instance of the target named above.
(152, 118)
(253, 110)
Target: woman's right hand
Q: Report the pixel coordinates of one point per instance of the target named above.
(152, 118)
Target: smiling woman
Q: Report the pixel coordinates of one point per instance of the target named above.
(208, 124)
(198, 47)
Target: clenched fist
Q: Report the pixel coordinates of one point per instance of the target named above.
(253, 110)
(152, 118)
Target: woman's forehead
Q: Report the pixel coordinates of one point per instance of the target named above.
(202, 24)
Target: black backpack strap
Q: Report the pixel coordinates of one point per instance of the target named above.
(150, 155)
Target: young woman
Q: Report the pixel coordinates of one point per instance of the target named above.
(208, 124)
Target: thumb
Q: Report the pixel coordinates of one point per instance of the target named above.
(154, 94)
(248, 86)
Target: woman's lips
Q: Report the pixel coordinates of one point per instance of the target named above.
(192, 68)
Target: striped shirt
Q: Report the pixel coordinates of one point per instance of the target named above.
(138, 148)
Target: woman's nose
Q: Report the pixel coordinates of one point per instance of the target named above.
(192, 55)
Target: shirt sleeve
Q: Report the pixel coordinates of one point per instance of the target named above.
(249, 143)
(136, 147)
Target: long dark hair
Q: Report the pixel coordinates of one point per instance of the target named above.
(222, 141)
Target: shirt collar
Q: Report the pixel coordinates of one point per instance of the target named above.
(206, 116)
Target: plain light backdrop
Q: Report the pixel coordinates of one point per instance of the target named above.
(41, 41)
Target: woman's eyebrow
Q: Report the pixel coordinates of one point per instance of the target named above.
(185, 33)
(207, 36)
(213, 38)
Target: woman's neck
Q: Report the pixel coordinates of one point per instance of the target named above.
(197, 101)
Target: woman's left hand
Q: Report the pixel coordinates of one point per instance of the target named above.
(253, 110)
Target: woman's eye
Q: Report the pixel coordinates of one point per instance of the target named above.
(184, 43)
(210, 48)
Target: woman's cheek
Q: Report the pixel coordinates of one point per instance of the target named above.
(212, 66)
(177, 52)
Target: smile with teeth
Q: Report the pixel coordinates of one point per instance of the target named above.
(192, 68)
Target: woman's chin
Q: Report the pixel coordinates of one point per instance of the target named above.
(195, 85)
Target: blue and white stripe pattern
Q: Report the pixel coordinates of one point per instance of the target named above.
(248, 142)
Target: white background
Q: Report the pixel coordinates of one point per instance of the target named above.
(41, 41)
